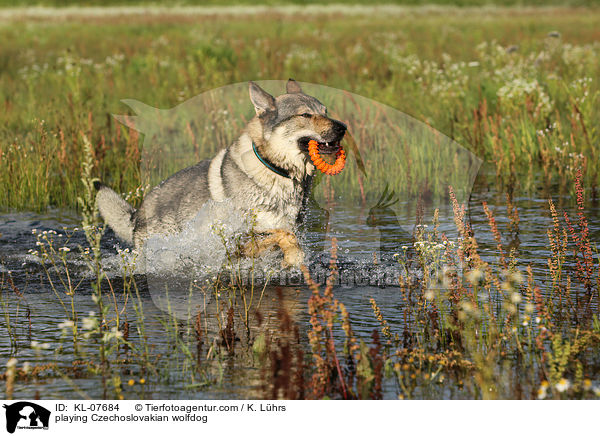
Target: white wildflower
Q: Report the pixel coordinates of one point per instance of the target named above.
(515, 297)
(563, 385)
(474, 276)
(66, 324)
(89, 323)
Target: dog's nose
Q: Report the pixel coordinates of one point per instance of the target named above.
(339, 128)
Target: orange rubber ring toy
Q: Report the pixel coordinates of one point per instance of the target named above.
(324, 167)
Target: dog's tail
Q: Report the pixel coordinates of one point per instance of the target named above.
(117, 213)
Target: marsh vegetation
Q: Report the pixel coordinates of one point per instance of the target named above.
(495, 295)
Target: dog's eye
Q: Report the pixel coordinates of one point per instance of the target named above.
(306, 115)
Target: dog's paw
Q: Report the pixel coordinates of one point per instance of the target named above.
(293, 256)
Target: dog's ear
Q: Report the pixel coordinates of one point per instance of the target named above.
(263, 101)
(293, 87)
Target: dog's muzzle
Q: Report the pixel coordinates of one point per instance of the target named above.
(331, 139)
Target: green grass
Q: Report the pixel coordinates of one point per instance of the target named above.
(447, 67)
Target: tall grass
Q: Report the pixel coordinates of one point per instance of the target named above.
(522, 100)
(470, 328)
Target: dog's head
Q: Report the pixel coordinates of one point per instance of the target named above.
(291, 120)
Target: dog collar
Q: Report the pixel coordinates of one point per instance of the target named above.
(277, 170)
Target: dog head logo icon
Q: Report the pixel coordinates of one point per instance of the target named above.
(24, 414)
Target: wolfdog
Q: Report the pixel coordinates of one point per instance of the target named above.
(266, 172)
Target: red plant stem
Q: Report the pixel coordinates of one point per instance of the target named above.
(337, 363)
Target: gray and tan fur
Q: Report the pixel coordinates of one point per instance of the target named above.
(280, 130)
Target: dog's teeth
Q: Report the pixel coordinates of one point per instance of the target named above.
(327, 144)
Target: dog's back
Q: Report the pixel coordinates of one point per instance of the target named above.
(172, 203)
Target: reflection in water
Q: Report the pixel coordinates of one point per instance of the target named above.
(391, 234)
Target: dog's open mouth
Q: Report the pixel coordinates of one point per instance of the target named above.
(330, 147)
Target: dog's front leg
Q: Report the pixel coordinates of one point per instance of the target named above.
(287, 241)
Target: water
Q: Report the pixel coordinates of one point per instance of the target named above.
(368, 240)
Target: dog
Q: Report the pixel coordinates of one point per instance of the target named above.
(266, 172)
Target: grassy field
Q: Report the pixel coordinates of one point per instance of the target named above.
(493, 80)
(516, 86)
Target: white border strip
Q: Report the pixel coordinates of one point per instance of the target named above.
(249, 417)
